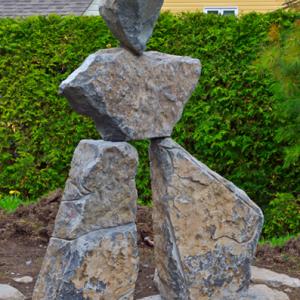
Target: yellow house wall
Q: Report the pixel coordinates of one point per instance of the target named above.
(242, 5)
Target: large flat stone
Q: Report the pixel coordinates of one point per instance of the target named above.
(206, 229)
(255, 292)
(131, 22)
(130, 97)
(99, 265)
(100, 191)
(263, 292)
(8, 292)
(273, 279)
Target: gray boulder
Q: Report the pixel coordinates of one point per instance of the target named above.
(100, 191)
(130, 97)
(205, 228)
(99, 265)
(131, 21)
(93, 253)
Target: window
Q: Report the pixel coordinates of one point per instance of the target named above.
(227, 11)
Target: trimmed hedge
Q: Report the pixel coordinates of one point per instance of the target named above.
(228, 123)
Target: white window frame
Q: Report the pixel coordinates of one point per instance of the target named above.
(221, 10)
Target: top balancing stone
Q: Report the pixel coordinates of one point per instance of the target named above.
(131, 21)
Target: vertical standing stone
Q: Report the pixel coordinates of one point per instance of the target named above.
(93, 252)
(206, 229)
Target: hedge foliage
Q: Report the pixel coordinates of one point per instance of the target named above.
(282, 57)
(228, 123)
(282, 216)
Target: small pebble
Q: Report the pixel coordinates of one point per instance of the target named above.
(28, 262)
(24, 279)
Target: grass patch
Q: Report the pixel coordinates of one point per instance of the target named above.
(278, 241)
(10, 203)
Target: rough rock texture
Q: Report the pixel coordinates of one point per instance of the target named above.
(100, 191)
(131, 97)
(131, 22)
(206, 229)
(8, 292)
(272, 279)
(93, 253)
(99, 265)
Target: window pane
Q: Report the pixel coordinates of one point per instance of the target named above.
(215, 12)
(228, 12)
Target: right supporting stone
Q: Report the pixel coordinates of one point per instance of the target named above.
(206, 229)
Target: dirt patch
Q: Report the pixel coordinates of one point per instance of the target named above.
(17, 259)
(25, 235)
(33, 223)
(285, 259)
(144, 285)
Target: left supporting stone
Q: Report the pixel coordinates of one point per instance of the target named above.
(93, 253)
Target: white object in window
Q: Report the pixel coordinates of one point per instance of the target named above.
(224, 11)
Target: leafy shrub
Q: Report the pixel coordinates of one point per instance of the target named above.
(282, 59)
(282, 216)
(228, 123)
(38, 129)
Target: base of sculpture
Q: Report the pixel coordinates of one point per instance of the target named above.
(205, 229)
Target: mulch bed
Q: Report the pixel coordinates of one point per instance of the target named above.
(25, 235)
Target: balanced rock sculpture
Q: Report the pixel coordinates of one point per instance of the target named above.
(206, 229)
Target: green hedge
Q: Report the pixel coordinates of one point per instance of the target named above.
(228, 123)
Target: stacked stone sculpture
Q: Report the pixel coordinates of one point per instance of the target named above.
(206, 229)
